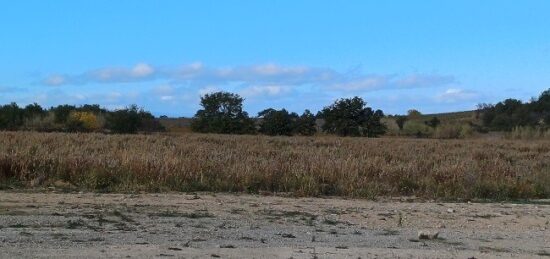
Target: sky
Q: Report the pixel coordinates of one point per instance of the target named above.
(430, 55)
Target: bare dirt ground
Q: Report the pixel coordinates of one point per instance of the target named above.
(57, 225)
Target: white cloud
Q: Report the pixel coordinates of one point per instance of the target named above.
(163, 90)
(55, 80)
(452, 95)
(167, 98)
(364, 83)
(270, 90)
(142, 70)
(255, 79)
(376, 82)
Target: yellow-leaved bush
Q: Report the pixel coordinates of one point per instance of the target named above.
(86, 120)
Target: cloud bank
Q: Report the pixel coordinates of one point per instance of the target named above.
(266, 78)
(178, 88)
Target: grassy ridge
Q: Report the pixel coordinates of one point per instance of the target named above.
(305, 166)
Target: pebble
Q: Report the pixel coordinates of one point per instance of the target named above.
(424, 234)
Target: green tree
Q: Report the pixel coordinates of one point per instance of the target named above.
(124, 121)
(62, 112)
(351, 117)
(305, 125)
(414, 114)
(400, 121)
(222, 112)
(11, 116)
(433, 122)
(33, 110)
(277, 122)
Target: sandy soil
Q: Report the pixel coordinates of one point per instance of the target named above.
(57, 225)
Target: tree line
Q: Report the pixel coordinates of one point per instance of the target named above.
(511, 113)
(70, 118)
(221, 112)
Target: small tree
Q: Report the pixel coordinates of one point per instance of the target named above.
(400, 121)
(124, 121)
(222, 112)
(414, 114)
(305, 124)
(274, 122)
(351, 117)
(433, 122)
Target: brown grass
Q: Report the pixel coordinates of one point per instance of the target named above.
(304, 166)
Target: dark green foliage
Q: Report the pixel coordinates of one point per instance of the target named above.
(274, 122)
(124, 121)
(512, 113)
(305, 124)
(148, 123)
(34, 110)
(93, 108)
(62, 112)
(433, 122)
(351, 117)
(11, 116)
(282, 123)
(400, 120)
(222, 113)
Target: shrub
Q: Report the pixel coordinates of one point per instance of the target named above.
(83, 121)
(42, 123)
(125, 121)
(453, 131)
(528, 133)
(418, 129)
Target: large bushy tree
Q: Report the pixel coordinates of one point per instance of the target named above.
(277, 122)
(222, 112)
(351, 117)
(283, 123)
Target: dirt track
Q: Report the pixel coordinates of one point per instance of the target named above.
(245, 226)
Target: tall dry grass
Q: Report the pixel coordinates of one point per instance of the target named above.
(305, 166)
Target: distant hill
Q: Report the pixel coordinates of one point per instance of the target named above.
(463, 116)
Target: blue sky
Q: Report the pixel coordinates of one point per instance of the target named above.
(434, 56)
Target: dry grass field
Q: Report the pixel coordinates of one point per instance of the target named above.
(301, 166)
